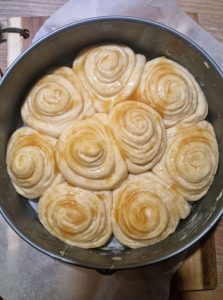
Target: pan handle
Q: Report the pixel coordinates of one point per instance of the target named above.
(23, 32)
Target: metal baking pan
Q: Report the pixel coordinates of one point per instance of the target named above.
(59, 48)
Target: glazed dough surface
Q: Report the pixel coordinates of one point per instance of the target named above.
(88, 156)
(31, 162)
(78, 217)
(114, 144)
(146, 210)
(140, 134)
(172, 91)
(190, 160)
(55, 101)
(110, 73)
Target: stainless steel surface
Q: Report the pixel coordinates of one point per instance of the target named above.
(28, 274)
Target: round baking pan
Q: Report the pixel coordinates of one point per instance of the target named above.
(60, 48)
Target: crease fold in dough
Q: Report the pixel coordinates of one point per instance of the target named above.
(173, 92)
(140, 134)
(190, 160)
(146, 210)
(78, 217)
(31, 162)
(55, 101)
(110, 73)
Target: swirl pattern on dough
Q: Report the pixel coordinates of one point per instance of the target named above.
(146, 210)
(78, 217)
(88, 157)
(140, 134)
(31, 162)
(190, 160)
(110, 73)
(55, 101)
(128, 130)
(172, 91)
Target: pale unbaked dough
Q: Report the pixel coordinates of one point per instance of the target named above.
(110, 73)
(146, 210)
(127, 129)
(78, 217)
(190, 160)
(173, 91)
(140, 134)
(55, 101)
(31, 162)
(88, 156)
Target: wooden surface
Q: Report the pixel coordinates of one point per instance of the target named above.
(209, 14)
(216, 294)
(198, 271)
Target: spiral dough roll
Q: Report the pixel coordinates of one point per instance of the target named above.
(140, 134)
(146, 210)
(110, 73)
(55, 101)
(88, 157)
(31, 162)
(190, 160)
(78, 217)
(172, 91)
